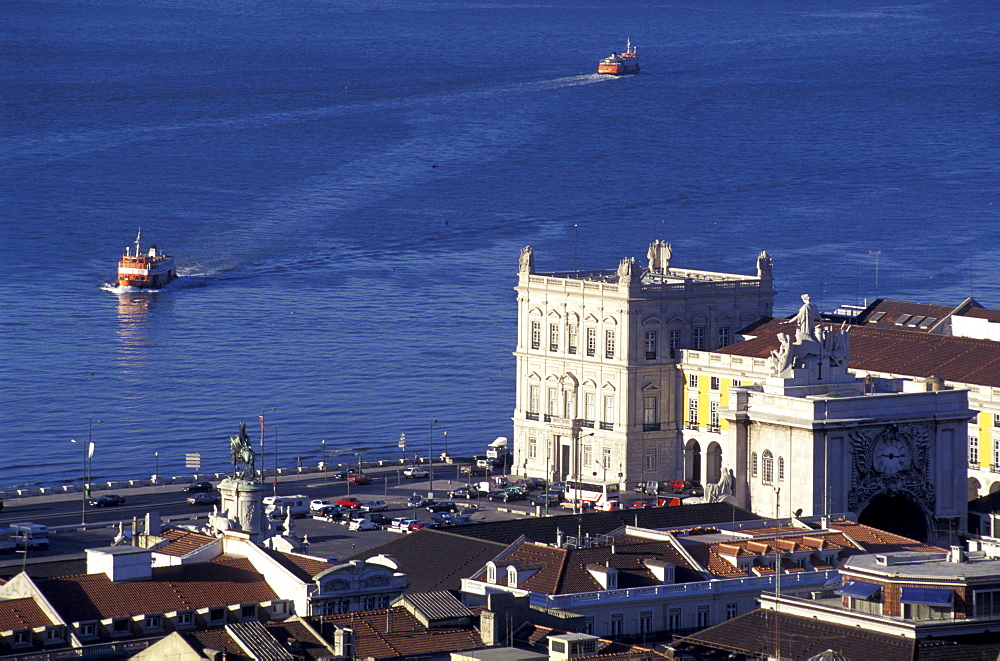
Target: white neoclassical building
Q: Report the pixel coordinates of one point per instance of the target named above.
(598, 381)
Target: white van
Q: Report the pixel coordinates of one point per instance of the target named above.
(278, 506)
(27, 533)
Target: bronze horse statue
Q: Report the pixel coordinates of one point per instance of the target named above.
(243, 454)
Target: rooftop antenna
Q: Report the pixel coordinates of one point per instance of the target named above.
(877, 254)
(575, 226)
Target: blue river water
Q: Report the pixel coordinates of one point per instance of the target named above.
(346, 187)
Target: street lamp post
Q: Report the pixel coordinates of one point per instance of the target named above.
(83, 502)
(430, 452)
(263, 470)
(156, 476)
(275, 481)
(446, 442)
(326, 468)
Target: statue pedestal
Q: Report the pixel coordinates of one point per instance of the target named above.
(243, 503)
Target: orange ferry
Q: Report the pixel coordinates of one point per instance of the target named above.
(618, 64)
(150, 270)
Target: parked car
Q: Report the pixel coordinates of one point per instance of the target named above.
(359, 478)
(401, 524)
(557, 487)
(328, 511)
(444, 506)
(417, 525)
(419, 500)
(525, 484)
(362, 524)
(546, 500)
(350, 502)
(416, 472)
(464, 492)
(108, 500)
(380, 519)
(204, 499)
(347, 516)
(507, 495)
(318, 504)
(459, 520)
(442, 517)
(375, 506)
(199, 487)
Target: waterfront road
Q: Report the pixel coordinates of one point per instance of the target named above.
(64, 512)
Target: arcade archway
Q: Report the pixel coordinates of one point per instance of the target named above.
(974, 487)
(692, 461)
(896, 514)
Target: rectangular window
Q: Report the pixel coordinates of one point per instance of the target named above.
(693, 412)
(650, 414)
(675, 342)
(781, 468)
(22, 637)
(533, 393)
(588, 626)
(923, 612)
(996, 454)
(699, 339)
(986, 603)
(553, 337)
(609, 408)
(703, 616)
(249, 611)
(185, 618)
(645, 621)
(713, 422)
(753, 464)
(153, 622)
(996, 419)
(607, 458)
(568, 404)
(725, 339)
(974, 451)
(87, 630)
(571, 338)
(591, 341)
(217, 615)
(609, 344)
(674, 619)
(122, 626)
(590, 406)
(713, 383)
(650, 345)
(532, 448)
(588, 455)
(693, 381)
(870, 606)
(552, 406)
(731, 610)
(53, 635)
(650, 459)
(617, 624)
(536, 334)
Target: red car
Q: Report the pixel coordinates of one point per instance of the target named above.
(358, 478)
(417, 525)
(349, 501)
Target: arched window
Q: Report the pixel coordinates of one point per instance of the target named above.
(781, 468)
(768, 467)
(753, 464)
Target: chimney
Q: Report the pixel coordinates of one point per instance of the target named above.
(121, 563)
(957, 554)
(560, 538)
(343, 642)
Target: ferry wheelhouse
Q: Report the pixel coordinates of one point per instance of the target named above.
(619, 64)
(149, 270)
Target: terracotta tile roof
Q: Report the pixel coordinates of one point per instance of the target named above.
(21, 614)
(982, 313)
(308, 644)
(436, 560)
(564, 571)
(874, 540)
(753, 634)
(305, 569)
(534, 637)
(395, 633)
(223, 581)
(903, 315)
(955, 359)
(182, 542)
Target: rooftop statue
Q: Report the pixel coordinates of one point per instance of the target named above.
(243, 453)
(805, 321)
(764, 265)
(626, 271)
(527, 261)
(659, 255)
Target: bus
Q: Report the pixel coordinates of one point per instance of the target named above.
(602, 496)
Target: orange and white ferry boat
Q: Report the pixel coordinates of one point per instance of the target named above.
(618, 64)
(150, 270)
